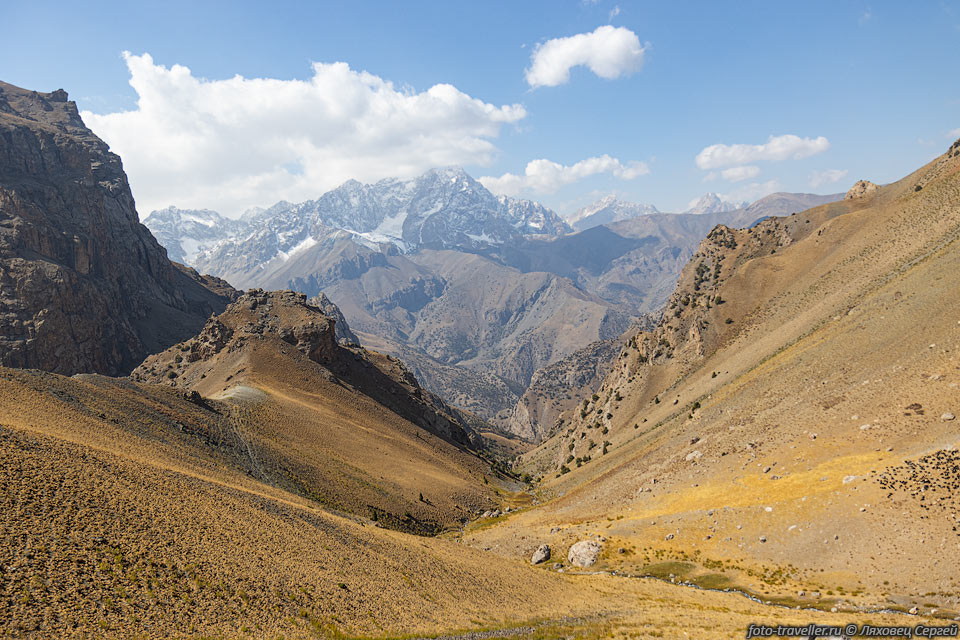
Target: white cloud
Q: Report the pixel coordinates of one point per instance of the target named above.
(231, 144)
(608, 51)
(614, 12)
(954, 134)
(777, 148)
(738, 174)
(752, 191)
(829, 176)
(545, 176)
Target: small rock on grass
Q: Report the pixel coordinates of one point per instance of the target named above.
(541, 555)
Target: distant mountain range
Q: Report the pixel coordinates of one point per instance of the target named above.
(475, 292)
(441, 209)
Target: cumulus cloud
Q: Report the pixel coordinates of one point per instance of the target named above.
(609, 52)
(777, 148)
(738, 174)
(545, 176)
(954, 134)
(614, 12)
(829, 176)
(230, 144)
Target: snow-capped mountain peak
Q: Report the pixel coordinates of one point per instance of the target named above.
(606, 210)
(187, 232)
(442, 208)
(713, 203)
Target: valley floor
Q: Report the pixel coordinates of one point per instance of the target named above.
(102, 542)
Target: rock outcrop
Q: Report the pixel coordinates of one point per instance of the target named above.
(861, 189)
(84, 287)
(342, 330)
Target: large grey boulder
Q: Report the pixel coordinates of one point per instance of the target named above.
(584, 553)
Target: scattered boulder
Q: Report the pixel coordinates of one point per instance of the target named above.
(947, 417)
(541, 555)
(584, 553)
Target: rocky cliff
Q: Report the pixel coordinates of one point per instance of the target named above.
(84, 287)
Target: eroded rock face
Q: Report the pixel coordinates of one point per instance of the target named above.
(861, 189)
(84, 287)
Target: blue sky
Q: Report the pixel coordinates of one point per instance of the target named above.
(868, 89)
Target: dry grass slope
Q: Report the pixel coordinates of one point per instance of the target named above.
(805, 445)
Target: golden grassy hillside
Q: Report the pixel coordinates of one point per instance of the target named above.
(133, 510)
(348, 428)
(124, 514)
(808, 444)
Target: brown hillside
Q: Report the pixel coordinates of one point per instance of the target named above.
(128, 510)
(808, 443)
(337, 423)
